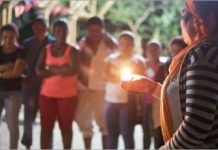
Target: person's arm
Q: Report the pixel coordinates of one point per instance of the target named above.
(140, 83)
(157, 91)
(111, 74)
(111, 42)
(160, 75)
(69, 69)
(6, 67)
(41, 70)
(82, 44)
(200, 106)
(15, 71)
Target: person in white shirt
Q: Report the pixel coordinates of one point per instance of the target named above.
(116, 106)
(94, 48)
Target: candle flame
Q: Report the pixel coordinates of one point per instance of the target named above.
(126, 74)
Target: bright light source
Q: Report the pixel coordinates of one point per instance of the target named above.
(126, 74)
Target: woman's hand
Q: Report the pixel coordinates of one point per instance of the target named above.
(139, 83)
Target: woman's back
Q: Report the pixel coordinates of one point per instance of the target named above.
(199, 97)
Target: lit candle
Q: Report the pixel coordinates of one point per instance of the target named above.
(126, 74)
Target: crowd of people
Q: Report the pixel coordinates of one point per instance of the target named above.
(175, 102)
(188, 96)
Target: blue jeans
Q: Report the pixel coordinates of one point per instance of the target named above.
(117, 122)
(11, 101)
(30, 101)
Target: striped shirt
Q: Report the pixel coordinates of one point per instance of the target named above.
(198, 91)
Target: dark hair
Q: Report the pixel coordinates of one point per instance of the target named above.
(128, 34)
(61, 22)
(178, 40)
(95, 21)
(40, 20)
(10, 27)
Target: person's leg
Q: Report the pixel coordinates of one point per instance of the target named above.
(158, 138)
(1, 107)
(30, 100)
(87, 141)
(48, 112)
(46, 141)
(146, 124)
(98, 110)
(112, 123)
(66, 112)
(12, 107)
(126, 129)
(84, 116)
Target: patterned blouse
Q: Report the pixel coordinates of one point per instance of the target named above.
(198, 92)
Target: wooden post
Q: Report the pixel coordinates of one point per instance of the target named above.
(9, 12)
(72, 23)
(4, 16)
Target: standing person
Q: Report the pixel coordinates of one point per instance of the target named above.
(95, 47)
(176, 45)
(116, 106)
(32, 81)
(189, 97)
(151, 124)
(12, 63)
(57, 65)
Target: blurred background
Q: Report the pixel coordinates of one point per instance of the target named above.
(158, 19)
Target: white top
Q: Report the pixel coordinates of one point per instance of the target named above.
(96, 81)
(174, 102)
(115, 94)
(113, 91)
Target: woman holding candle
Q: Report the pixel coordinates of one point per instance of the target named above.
(189, 99)
(116, 106)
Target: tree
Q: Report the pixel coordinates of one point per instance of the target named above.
(146, 18)
(83, 9)
(150, 18)
(167, 24)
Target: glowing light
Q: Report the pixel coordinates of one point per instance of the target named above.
(126, 74)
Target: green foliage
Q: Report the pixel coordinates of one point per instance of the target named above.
(100, 3)
(162, 21)
(65, 2)
(166, 25)
(126, 10)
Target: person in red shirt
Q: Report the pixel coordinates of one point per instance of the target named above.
(58, 65)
